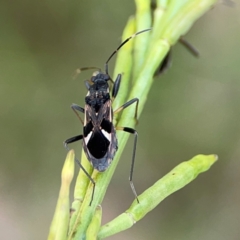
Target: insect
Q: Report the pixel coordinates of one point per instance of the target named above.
(99, 134)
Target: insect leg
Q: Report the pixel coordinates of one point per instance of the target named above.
(116, 86)
(127, 104)
(189, 47)
(76, 108)
(72, 140)
(165, 64)
(132, 131)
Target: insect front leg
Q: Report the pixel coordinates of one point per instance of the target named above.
(116, 86)
(132, 131)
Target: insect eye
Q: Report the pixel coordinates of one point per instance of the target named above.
(106, 77)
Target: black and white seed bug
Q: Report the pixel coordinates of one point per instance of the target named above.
(99, 134)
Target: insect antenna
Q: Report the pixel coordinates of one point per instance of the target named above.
(125, 41)
(79, 70)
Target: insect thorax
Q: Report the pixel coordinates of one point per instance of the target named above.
(98, 95)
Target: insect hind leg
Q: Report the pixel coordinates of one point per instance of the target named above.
(132, 131)
(72, 140)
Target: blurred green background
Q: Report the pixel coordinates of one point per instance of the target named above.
(192, 109)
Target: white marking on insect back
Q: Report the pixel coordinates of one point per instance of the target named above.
(106, 135)
(87, 138)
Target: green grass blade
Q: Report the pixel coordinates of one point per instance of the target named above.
(176, 179)
(95, 224)
(59, 226)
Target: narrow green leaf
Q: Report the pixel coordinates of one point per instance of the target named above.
(59, 226)
(124, 64)
(143, 21)
(95, 224)
(176, 179)
(79, 191)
